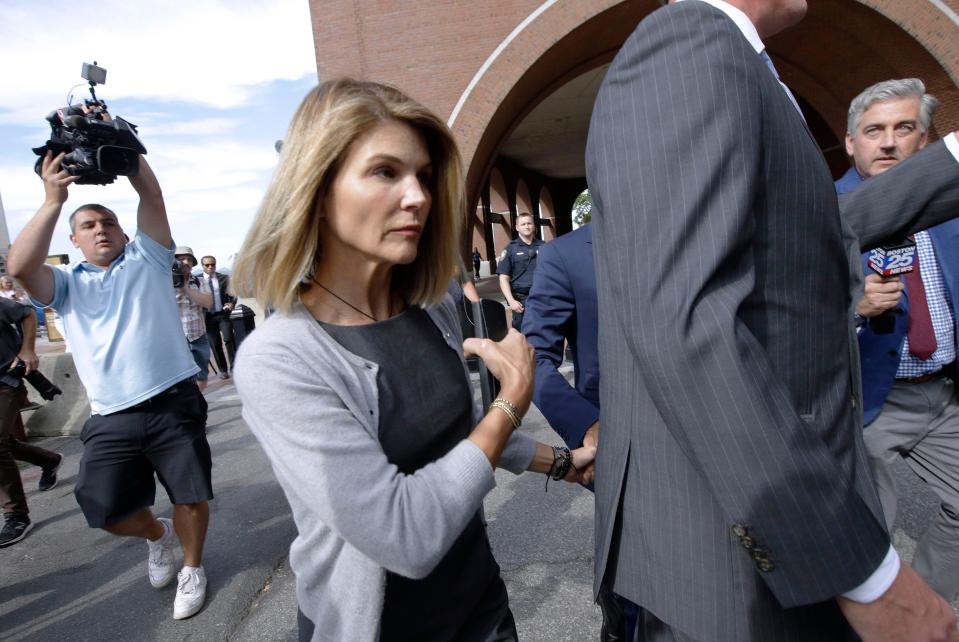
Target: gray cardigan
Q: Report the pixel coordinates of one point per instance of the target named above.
(313, 407)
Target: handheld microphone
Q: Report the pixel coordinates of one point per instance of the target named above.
(890, 260)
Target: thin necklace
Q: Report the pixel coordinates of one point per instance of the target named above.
(342, 300)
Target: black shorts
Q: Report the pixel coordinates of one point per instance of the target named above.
(166, 435)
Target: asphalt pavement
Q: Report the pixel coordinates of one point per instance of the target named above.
(65, 581)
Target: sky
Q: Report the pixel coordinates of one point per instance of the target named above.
(211, 85)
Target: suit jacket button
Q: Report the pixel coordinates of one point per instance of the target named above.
(739, 530)
(759, 554)
(765, 566)
(748, 542)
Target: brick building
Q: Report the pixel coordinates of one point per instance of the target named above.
(516, 79)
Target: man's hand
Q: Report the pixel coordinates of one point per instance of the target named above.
(55, 179)
(591, 438)
(583, 470)
(27, 256)
(104, 114)
(229, 306)
(909, 611)
(29, 359)
(590, 442)
(882, 294)
(507, 290)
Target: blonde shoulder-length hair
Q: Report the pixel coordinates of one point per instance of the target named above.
(283, 244)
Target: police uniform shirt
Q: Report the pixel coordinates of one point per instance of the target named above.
(521, 263)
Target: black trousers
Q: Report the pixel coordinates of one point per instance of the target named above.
(164, 436)
(520, 295)
(13, 502)
(219, 329)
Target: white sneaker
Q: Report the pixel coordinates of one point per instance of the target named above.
(190, 592)
(160, 564)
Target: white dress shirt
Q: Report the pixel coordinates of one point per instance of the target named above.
(214, 284)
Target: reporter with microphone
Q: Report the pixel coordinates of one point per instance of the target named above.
(883, 286)
(907, 331)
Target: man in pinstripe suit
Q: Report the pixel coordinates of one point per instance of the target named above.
(733, 497)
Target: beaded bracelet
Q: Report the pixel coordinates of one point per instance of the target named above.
(511, 411)
(562, 462)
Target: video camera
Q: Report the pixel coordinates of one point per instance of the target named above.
(97, 150)
(182, 273)
(179, 279)
(12, 377)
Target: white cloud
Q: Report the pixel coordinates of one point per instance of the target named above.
(199, 127)
(209, 52)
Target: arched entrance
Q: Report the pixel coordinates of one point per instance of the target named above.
(493, 73)
(561, 51)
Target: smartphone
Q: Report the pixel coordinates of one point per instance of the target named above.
(96, 75)
(489, 320)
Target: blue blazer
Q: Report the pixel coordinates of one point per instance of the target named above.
(562, 306)
(879, 353)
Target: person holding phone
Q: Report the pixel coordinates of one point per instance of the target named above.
(381, 451)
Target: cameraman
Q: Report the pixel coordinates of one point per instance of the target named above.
(118, 309)
(191, 298)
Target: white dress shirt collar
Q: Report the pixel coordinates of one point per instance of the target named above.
(742, 21)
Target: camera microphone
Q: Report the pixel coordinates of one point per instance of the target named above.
(891, 260)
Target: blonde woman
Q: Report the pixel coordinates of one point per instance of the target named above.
(357, 388)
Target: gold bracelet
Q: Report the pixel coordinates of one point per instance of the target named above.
(511, 406)
(511, 411)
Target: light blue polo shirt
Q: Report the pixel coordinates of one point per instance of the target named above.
(123, 325)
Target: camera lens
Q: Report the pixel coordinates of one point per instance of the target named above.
(119, 161)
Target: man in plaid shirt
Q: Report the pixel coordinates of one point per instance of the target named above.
(910, 403)
(192, 298)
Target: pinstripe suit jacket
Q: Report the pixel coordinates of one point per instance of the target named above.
(731, 434)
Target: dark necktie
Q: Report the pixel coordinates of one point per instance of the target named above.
(772, 68)
(922, 339)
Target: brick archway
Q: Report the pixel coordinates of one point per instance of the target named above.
(556, 42)
(876, 40)
(547, 215)
(499, 203)
(563, 38)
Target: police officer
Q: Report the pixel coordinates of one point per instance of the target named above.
(516, 270)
